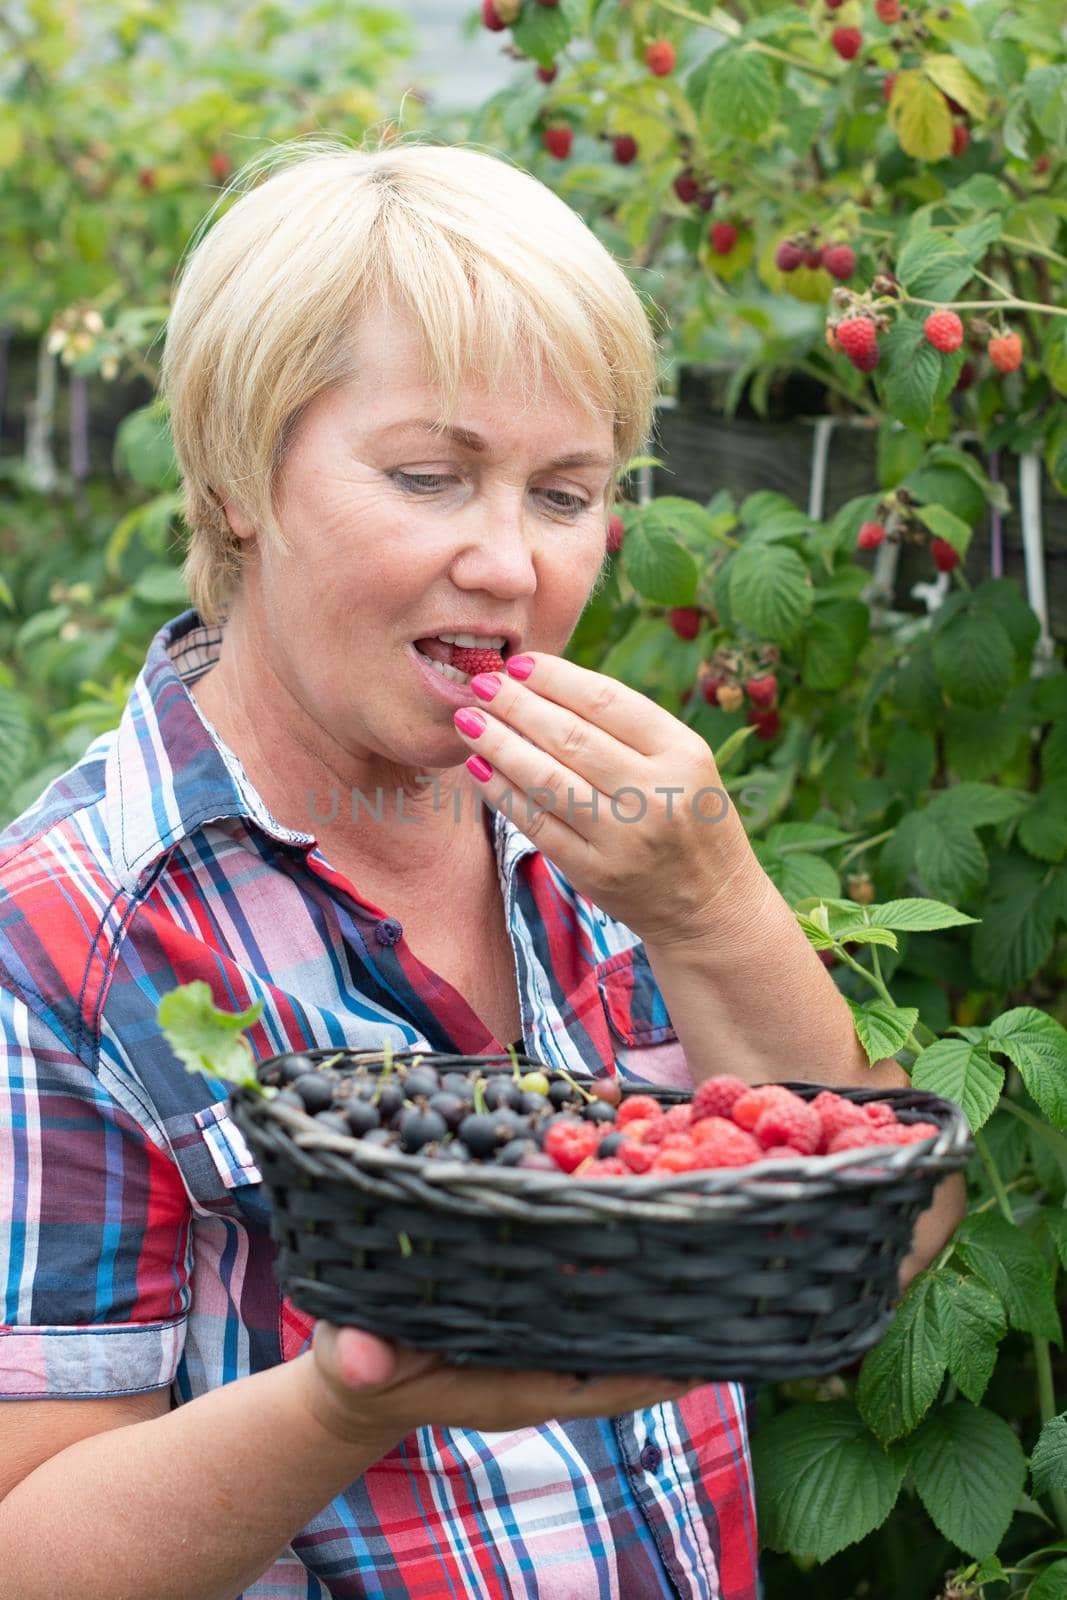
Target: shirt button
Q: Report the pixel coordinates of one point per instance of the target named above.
(651, 1456)
(388, 931)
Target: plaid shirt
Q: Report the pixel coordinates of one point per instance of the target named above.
(134, 1235)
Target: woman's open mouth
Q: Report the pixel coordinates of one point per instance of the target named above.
(460, 656)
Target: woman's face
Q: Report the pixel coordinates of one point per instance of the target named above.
(496, 540)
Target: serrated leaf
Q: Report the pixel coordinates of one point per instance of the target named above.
(882, 1030)
(787, 836)
(953, 79)
(969, 1470)
(1019, 915)
(659, 568)
(964, 1073)
(541, 32)
(932, 266)
(798, 875)
(823, 1481)
(833, 640)
(1052, 1583)
(742, 95)
(972, 1323)
(143, 448)
(1048, 1464)
(979, 805)
(1010, 1263)
(973, 657)
(770, 591)
(920, 117)
(912, 374)
(900, 1378)
(1043, 830)
(944, 525)
(1037, 1045)
(918, 915)
(949, 857)
(206, 1039)
(979, 744)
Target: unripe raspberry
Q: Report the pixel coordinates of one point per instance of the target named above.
(763, 691)
(839, 260)
(547, 74)
(558, 140)
(858, 338)
(723, 236)
(615, 532)
(491, 17)
(788, 256)
(860, 888)
(944, 330)
(888, 11)
(870, 536)
(686, 186)
(660, 57)
(961, 138)
(848, 42)
(685, 620)
(945, 557)
(1005, 351)
(730, 696)
(624, 148)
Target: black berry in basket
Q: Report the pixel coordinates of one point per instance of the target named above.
(378, 1136)
(315, 1090)
(288, 1097)
(511, 1154)
(502, 1092)
(452, 1107)
(610, 1144)
(417, 1127)
(609, 1089)
(533, 1104)
(481, 1135)
(537, 1161)
(334, 1121)
(598, 1111)
(293, 1067)
(456, 1083)
(420, 1080)
(361, 1117)
(561, 1093)
(390, 1097)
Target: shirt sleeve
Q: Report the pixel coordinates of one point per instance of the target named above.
(94, 1228)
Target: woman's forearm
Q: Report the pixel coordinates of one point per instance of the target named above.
(192, 1505)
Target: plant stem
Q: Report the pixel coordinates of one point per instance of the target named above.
(988, 305)
(865, 844)
(721, 22)
(875, 980)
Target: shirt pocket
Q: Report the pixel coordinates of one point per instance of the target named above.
(226, 1145)
(646, 1047)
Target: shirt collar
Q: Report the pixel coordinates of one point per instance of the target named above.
(168, 774)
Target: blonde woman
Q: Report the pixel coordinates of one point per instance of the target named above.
(402, 383)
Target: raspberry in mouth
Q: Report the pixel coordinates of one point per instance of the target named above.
(461, 662)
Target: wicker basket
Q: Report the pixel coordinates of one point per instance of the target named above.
(782, 1269)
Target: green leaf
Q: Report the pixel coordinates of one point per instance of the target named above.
(1019, 915)
(787, 836)
(979, 744)
(6, 597)
(969, 1470)
(920, 118)
(964, 1073)
(206, 1039)
(1046, 93)
(833, 639)
(1037, 1045)
(1043, 830)
(541, 32)
(1051, 1585)
(949, 858)
(742, 95)
(658, 566)
(798, 875)
(162, 586)
(932, 266)
(770, 591)
(1048, 1464)
(953, 79)
(1010, 1263)
(901, 1376)
(974, 659)
(823, 1481)
(912, 373)
(143, 449)
(943, 525)
(882, 1030)
(917, 916)
(979, 805)
(972, 1323)
(16, 739)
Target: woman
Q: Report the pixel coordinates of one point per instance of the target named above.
(402, 384)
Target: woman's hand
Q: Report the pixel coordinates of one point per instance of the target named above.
(625, 799)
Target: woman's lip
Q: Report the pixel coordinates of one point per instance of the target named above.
(456, 694)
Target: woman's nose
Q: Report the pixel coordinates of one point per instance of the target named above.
(497, 551)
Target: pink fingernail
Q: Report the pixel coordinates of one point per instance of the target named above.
(485, 684)
(469, 721)
(520, 666)
(479, 769)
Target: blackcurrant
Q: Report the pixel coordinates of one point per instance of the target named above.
(457, 1083)
(316, 1091)
(335, 1121)
(361, 1117)
(479, 1134)
(511, 1154)
(287, 1097)
(598, 1111)
(417, 1127)
(562, 1093)
(533, 1103)
(378, 1136)
(420, 1080)
(390, 1099)
(502, 1092)
(611, 1144)
(451, 1107)
(293, 1067)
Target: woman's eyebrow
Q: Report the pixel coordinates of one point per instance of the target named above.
(469, 440)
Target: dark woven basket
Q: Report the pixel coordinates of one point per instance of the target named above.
(782, 1269)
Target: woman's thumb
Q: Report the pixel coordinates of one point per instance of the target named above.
(363, 1360)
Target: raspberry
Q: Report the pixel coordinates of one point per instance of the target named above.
(945, 557)
(685, 620)
(474, 661)
(558, 140)
(788, 256)
(547, 74)
(220, 164)
(848, 42)
(723, 1143)
(723, 236)
(652, 1132)
(678, 1161)
(888, 11)
(839, 260)
(606, 1167)
(767, 724)
(781, 1152)
(660, 57)
(879, 1112)
(858, 338)
(857, 1139)
(834, 5)
(968, 373)
(763, 691)
(887, 85)
(835, 1113)
(715, 1097)
(730, 696)
(686, 186)
(749, 1107)
(678, 1118)
(944, 330)
(615, 532)
(914, 1132)
(706, 199)
(813, 259)
(1005, 351)
(870, 536)
(624, 148)
(827, 957)
(570, 1143)
(636, 1107)
(636, 1157)
(797, 1125)
(961, 138)
(709, 688)
(491, 18)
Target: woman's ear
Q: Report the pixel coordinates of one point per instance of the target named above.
(240, 526)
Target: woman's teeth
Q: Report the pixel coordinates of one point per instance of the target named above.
(445, 670)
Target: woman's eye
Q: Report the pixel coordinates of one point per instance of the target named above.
(428, 483)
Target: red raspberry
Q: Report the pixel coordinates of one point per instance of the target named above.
(606, 1167)
(763, 691)
(475, 661)
(888, 11)
(944, 330)
(724, 1142)
(879, 1112)
(660, 57)
(625, 149)
(827, 957)
(839, 260)
(945, 557)
(571, 1143)
(961, 138)
(781, 1152)
(636, 1107)
(857, 1139)
(678, 1118)
(547, 74)
(709, 688)
(653, 1132)
(914, 1132)
(749, 1107)
(887, 85)
(636, 1157)
(848, 42)
(491, 18)
(689, 1160)
(797, 1125)
(685, 620)
(788, 256)
(686, 186)
(558, 140)
(870, 536)
(615, 532)
(834, 5)
(715, 1097)
(835, 1113)
(858, 338)
(1005, 351)
(706, 199)
(768, 724)
(220, 164)
(813, 259)
(723, 236)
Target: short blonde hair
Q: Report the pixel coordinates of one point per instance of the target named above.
(486, 257)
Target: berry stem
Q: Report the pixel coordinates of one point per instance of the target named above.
(574, 1085)
(721, 22)
(1010, 304)
(865, 844)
